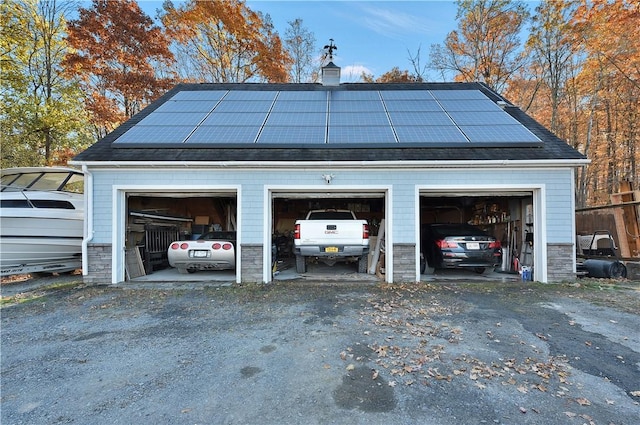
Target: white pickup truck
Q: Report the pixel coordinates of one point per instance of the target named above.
(330, 236)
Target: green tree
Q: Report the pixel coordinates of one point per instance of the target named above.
(42, 118)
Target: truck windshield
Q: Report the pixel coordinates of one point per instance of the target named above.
(331, 215)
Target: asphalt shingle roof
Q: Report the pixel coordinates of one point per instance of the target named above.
(552, 148)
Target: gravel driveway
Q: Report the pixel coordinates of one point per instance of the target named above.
(311, 353)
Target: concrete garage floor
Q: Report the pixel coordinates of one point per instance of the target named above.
(340, 272)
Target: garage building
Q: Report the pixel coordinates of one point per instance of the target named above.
(253, 158)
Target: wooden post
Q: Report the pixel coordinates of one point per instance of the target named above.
(376, 252)
(626, 218)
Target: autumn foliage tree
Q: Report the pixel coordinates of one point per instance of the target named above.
(116, 51)
(395, 75)
(582, 82)
(225, 41)
(486, 46)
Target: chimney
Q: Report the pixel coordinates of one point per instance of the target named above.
(331, 75)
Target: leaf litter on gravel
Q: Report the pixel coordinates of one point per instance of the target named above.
(411, 331)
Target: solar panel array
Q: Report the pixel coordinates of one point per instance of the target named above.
(262, 118)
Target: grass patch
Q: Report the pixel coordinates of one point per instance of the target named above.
(38, 294)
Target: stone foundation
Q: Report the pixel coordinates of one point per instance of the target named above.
(99, 267)
(560, 263)
(251, 263)
(404, 263)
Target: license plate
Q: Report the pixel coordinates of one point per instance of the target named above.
(473, 245)
(331, 249)
(200, 254)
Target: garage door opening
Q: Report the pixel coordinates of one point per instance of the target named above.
(181, 236)
(476, 236)
(289, 207)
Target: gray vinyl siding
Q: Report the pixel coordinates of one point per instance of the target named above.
(557, 184)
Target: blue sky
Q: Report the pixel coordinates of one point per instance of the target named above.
(372, 36)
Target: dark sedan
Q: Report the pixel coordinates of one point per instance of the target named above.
(445, 246)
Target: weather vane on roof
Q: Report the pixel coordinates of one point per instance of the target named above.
(330, 48)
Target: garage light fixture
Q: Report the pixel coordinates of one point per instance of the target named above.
(327, 178)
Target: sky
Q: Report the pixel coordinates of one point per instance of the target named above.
(372, 36)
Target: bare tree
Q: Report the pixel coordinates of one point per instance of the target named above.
(300, 44)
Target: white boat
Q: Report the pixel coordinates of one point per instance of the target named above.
(41, 220)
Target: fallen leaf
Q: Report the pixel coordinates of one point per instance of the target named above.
(343, 355)
(587, 343)
(610, 402)
(351, 367)
(571, 414)
(583, 401)
(480, 385)
(523, 410)
(523, 389)
(374, 374)
(392, 383)
(635, 393)
(541, 388)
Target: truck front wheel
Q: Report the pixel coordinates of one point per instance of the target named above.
(301, 264)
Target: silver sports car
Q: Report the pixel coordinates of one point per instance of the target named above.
(211, 251)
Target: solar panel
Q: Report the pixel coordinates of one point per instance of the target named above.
(328, 117)
(483, 118)
(292, 135)
(229, 118)
(245, 95)
(430, 134)
(354, 95)
(229, 134)
(358, 118)
(406, 95)
(301, 119)
(353, 106)
(152, 134)
(469, 105)
(303, 96)
(458, 95)
(180, 118)
(360, 134)
(300, 106)
(186, 106)
(244, 106)
(200, 95)
(500, 134)
(420, 118)
(412, 105)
